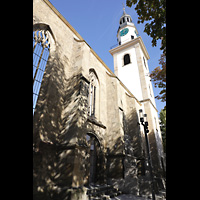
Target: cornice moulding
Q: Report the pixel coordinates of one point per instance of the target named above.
(131, 43)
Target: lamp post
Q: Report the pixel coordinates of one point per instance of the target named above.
(144, 122)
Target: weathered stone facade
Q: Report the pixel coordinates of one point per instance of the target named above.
(73, 149)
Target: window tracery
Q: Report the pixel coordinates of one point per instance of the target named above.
(41, 47)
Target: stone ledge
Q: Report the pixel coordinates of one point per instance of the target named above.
(94, 121)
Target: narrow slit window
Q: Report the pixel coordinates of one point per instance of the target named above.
(92, 100)
(93, 93)
(144, 62)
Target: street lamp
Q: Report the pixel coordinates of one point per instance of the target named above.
(144, 122)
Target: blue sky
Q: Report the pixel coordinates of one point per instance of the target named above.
(97, 22)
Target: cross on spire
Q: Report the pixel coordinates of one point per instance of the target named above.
(124, 12)
(123, 6)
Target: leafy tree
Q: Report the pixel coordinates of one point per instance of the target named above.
(158, 76)
(163, 127)
(154, 13)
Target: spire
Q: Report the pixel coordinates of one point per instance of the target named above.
(124, 12)
(125, 17)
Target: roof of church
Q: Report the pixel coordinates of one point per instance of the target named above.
(125, 19)
(125, 15)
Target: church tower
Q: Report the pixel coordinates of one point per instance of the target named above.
(130, 60)
(127, 30)
(131, 67)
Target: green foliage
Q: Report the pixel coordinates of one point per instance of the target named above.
(154, 13)
(158, 76)
(163, 127)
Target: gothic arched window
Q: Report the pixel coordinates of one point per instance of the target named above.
(41, 47)
(92, 93)
(126, 59)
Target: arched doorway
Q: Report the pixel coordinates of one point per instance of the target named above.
(95, 159)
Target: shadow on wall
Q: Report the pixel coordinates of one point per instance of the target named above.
(60, 112)
(52, 172)
(131, 143)
(135, 147)
(59, 105)
(74, 116)
(157, 168)
(47, 122)
(127, 172)
(132, 136)
(123, 168)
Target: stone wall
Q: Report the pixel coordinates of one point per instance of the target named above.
(61, 121)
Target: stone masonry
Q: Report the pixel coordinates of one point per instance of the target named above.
(62, 165)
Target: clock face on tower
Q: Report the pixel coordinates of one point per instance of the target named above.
(124, 31)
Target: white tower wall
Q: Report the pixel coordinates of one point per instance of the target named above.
(129, 74)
